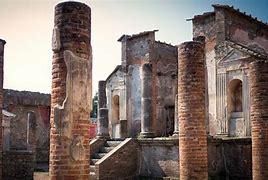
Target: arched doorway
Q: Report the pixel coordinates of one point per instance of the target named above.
(235, 99)
(235, 108)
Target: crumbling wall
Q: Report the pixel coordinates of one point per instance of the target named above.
(20, 103)
(205, 25)
(138, 52)
(165, 65)
(247, 31)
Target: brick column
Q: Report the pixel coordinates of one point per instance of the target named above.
(2, 45)
(259, 118)
(71, 92)
(146, 102)
(103, 120)
(191, 111)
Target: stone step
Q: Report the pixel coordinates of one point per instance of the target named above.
(113, 143)
(92, 168)
(93, 161)
(106, 149)
(92, 176)
(99, 155)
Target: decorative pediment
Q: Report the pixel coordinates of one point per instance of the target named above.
(234, 55)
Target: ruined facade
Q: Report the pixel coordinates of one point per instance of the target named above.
(19, 107)
(124, 90)
(233, 40)
(203, 91)
(25, 133)
(71, 92)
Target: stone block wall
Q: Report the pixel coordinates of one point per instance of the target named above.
(18, 165)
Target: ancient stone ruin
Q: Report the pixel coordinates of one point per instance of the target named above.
(193, 111)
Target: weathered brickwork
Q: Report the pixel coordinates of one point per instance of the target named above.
(71, 92)
(2, 44)
(259, 118)
(191, 111)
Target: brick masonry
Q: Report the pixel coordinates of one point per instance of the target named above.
(191, 111)
(2, 44)
(71, 92)
(259, 118)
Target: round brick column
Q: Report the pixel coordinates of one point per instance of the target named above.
(71, 92)
(259, 118)
(2, 45)
(191, 111)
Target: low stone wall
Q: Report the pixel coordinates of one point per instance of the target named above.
(159, 158)
(18, 165)
(228, 158)
(120, 163)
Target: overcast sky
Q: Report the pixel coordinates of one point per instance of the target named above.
(27, 26)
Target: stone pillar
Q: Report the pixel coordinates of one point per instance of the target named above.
(103, 124)
(103, 118)
(146, 102)
(191, 111)
(259, 118)
(102, 100)
(71, 92)
(176, 119)
(31, 131)
(2, 45)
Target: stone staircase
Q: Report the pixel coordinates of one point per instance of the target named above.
(109, 145)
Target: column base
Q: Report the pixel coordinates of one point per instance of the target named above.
(147, 135)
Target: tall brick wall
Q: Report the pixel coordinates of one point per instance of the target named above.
(2, 44)
(259, 118)
(191, 111)
(71, 92)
